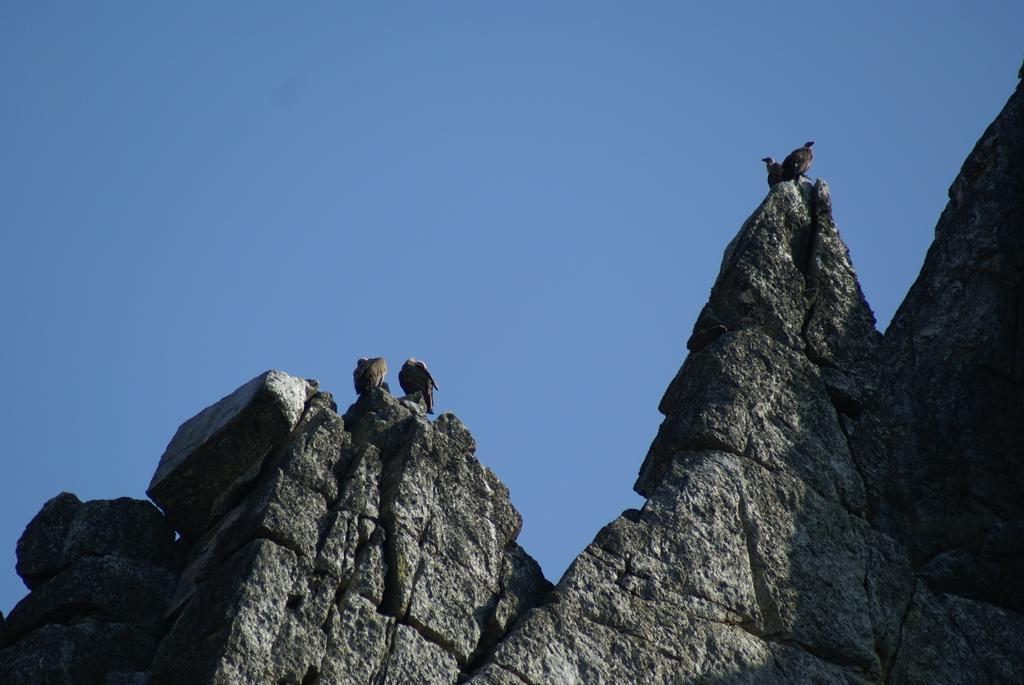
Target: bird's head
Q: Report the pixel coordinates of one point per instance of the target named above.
(768, 160)
(809, 143)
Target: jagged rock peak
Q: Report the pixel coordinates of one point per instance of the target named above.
(373, 548)
(953, 386)
(786, 279)
(370, 548)
(754, 559)
(822, 506)
(751, 560)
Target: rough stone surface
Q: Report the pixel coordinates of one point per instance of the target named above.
(66, 530)
(107, 588)
(373, 547)
(90, 652)
(824, 505)
(754, 390)
(41, 547)
(952, 392)
(777, 541)
(216, 453)
(101, 574)
(751, 560)
(226, 631)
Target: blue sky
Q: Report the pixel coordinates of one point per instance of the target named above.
(532, 197)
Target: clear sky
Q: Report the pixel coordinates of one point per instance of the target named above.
(533, 197)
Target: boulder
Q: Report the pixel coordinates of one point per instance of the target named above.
(123, 527)
(66, 529)
(89, 652)
(40, 548)
(217, 453)
(107, 589)
(101, 573)
(373, 547)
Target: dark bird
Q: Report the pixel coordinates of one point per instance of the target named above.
(414, 377)
(774, 171)
(797, 162)
(369, 374)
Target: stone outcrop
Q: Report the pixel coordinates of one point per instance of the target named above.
(372, 547)
(798, 527)
(946, 439)
(216, 454)
(752, 559)
(101, 574)
(824, 504)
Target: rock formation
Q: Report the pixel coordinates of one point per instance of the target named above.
(101, 573)
(945, 442)
(372, 547)
(824, 504)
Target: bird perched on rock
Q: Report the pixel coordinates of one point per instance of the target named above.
(369, 374)
(414, 377)
(774, 171)
(797, 162)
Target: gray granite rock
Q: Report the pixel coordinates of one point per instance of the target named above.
(88, 652)
(106, 588)
(66, 529)
(412, 658)
(823, 506)
(754, 390)
(358, 642)
(761, 555)
(101, 573)
(951, 639)
(751, 560)
(218, 452)
(225, 633)
(371, 548)
(941, 451)
(123, 527)
(41, 547)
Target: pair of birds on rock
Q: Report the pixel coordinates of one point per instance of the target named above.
(413, 377)
(793, 166)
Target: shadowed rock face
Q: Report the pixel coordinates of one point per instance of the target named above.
(823, 504)
(101, 574)
(946, 442)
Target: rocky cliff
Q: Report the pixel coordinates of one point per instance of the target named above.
(824, 504)
(313, 547)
